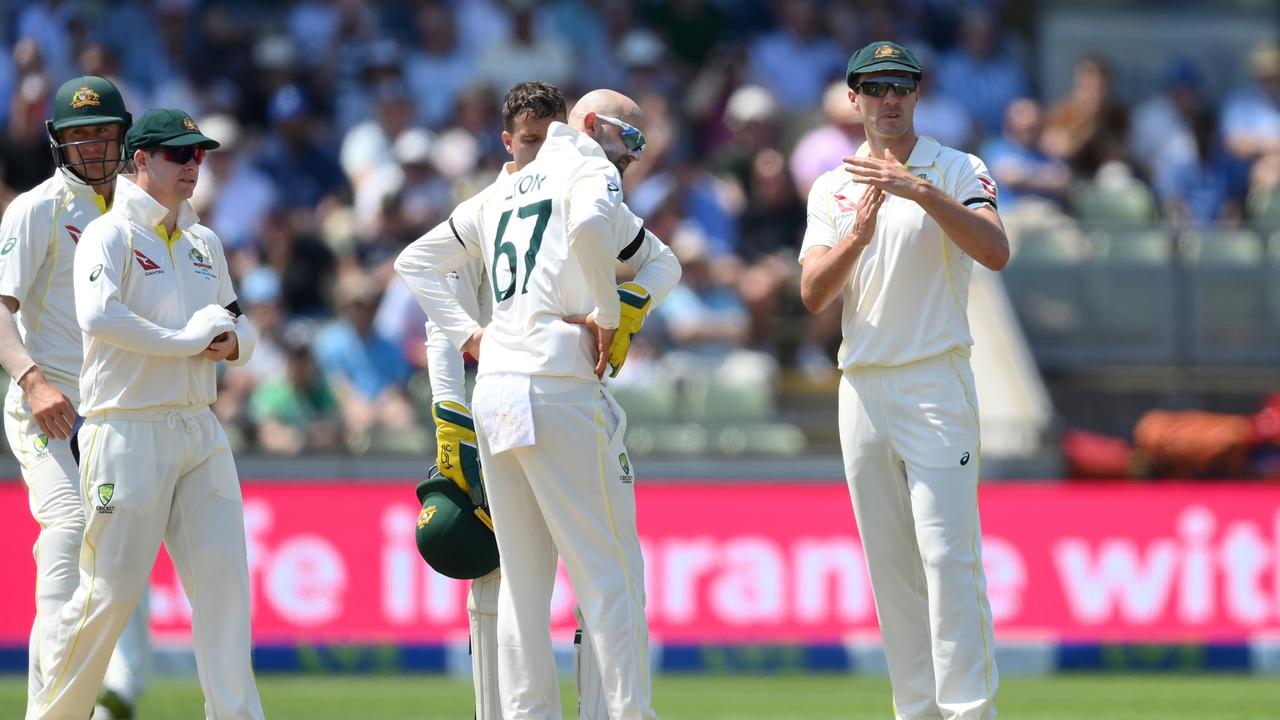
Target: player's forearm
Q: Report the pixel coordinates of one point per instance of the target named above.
(973, 231)
(13, 354)
(659, 271)
(246, 339)
(445, 367)
(824, 274)
(590, 242)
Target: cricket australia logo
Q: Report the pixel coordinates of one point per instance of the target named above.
(85, 97)
(41, 445)
(202, 263)
(425, 516)
(106, 491)
(626, 477)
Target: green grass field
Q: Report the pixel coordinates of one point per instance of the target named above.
(718, 697)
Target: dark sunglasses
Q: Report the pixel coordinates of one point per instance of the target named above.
(632, 137)
(902, 87)
(183, 155)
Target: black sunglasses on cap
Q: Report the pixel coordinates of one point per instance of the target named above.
(878, 87)
(183, 155)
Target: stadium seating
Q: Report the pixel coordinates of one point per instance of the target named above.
(1227, 297)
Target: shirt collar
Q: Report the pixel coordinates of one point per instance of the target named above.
(922, 155)
(560, 134)
(138, 204)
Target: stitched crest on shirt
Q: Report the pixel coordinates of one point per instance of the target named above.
(74, 232)
(202, 263)
(425, 516)
(149, 266)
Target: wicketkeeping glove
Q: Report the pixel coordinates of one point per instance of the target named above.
(456, 454)
(635, 303)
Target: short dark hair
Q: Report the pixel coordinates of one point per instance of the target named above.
(535, 98)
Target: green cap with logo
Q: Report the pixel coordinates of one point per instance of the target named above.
(87, 100)
(163, 127)
(451, 537)
(882, 55)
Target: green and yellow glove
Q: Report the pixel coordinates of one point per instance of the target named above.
(635, 302)
(457, 456)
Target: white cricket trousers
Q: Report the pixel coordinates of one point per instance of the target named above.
(53, 491)
(911, 456)
(150, 477)
(570, 494)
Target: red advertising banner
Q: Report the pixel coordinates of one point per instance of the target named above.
(754, 562)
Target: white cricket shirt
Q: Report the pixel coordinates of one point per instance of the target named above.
(139, 287)
(908, 295)
(38, 237)
(547, 236)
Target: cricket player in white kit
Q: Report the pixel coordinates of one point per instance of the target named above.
(528, 110)
(550, 440)
(42, 352)
(894, 232)
(156, 306)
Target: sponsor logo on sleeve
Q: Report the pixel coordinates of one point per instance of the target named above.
(988, 186)
(8, 246)
(95, 273)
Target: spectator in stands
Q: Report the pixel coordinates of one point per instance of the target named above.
(438, 67)
(297, 411)
(692, 28)
(305, 170)
(1088, 127)
(841, 135)
(24, 149)
(1161, 127)
(234, 195)
(259, 298)
(982, 73)
(366, 148)
(525, 54)
(939, 115)
(1205, 188)
(1021, 170)
(368, 374)
(797, 60)
(707, 324)
(304, 264)
(1251, 116)
(752, 116)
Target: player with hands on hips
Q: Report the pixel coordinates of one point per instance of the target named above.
(41, 349)
(894, 232)
(542, 342)
(155, 303)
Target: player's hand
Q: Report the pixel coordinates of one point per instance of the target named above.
(864, 222)
(884, 173)
(224, 346)
(635, 303)
(53, 412)
(472, 345)
(603, 337)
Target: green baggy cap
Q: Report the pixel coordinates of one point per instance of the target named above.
(163, 127)
(882, 55)
(453, 540)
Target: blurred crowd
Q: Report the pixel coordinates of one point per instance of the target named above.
(350, 128)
